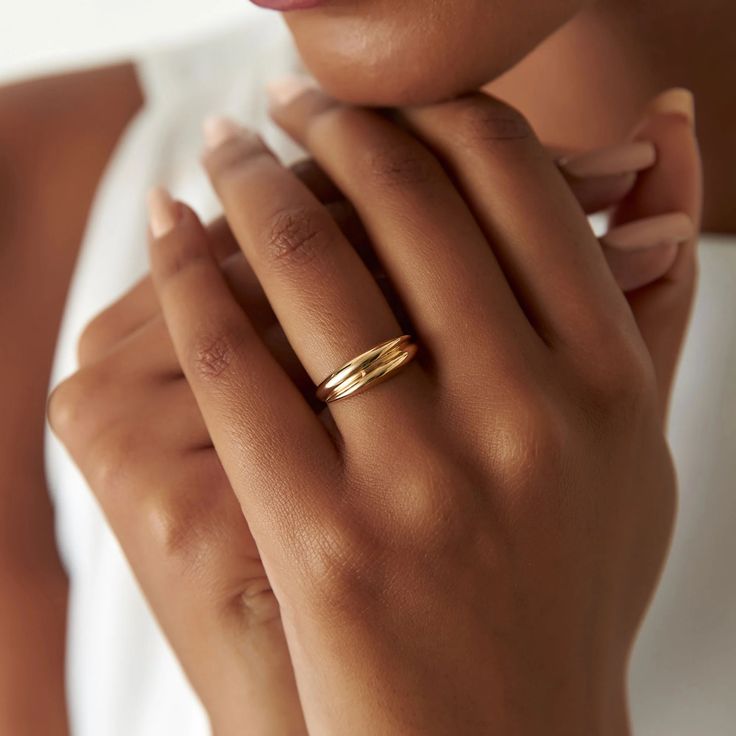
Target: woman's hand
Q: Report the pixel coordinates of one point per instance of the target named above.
(475, 541)
(123, 361)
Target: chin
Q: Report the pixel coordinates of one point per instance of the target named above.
(376, 86)
(409, 52)
(385, 79)
(382, 62)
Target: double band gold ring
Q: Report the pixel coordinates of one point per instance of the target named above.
(367, 370)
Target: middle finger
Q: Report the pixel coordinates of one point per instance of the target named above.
(325, 298)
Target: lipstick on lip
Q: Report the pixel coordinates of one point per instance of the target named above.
(286, 5)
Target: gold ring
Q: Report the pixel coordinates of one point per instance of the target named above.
(367, 370)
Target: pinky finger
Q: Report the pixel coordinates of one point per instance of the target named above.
(635, 270)
(602, 177)
(267, 437)
(643, 251)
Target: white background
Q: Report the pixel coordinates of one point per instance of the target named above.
(38, 35)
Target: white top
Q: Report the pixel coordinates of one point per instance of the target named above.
(123, 679)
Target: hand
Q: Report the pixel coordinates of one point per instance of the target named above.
(143, 388)
(418, 571)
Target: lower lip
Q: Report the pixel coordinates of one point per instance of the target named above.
(286, 5)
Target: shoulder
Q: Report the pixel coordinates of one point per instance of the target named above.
(36, 113)
(60, 130)
(56, 136)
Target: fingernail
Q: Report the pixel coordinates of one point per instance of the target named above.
(678, 100)
(218, 129)
(285, 90)
(625, 158)
(651, 232)
(162, 212)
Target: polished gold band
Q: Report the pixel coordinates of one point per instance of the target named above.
(367, 370)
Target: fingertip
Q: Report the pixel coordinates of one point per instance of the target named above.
(625, 158)
(650, 232)
(219, 129)
(163, 212)
(228, 146)
(600, 193)
(634, 270)
(282, 92)
(675, 101)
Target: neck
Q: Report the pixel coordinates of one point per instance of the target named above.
(586, 85)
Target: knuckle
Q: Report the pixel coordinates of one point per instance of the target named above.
(482, 119)
(93, 337)
(179, 524)
(337, 570)
(295, 235)
(151, 500)
(432, 498)
(213, 352)
(529, 446)
(79, 405)
(431, 510)
(623, 388)
(64, 408)
(399, 165)
(618, 376)
(380, 157)
(111, 458)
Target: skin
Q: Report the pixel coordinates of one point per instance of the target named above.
(358, 49)
(584, 85)
(194, 528)
(56, 135)
(104, 102)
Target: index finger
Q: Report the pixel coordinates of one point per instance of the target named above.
(662, 308)
(139, 304)
(266, 436)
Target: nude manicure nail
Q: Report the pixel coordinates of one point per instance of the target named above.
(283, 91)
(625, 158)
(673, 228)
(218, 129)
(677, 100)
(162, 212)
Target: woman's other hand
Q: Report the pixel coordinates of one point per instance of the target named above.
(130, 420)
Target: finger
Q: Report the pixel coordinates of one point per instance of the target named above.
(146, 363)
(251, 409)
(123, 317)
(198, 565)
(529, 215)
(596, 194)
(326, 300)
(634, 270)
(598, 178)
(642, 251)
(139, 304)
(673, 185)
(602, 177)
(180, 526)
(128, 320)
(423, 233)
(316, 180)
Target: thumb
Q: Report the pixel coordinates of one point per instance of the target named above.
(661, 279)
